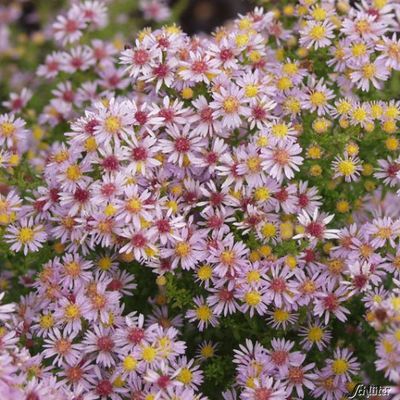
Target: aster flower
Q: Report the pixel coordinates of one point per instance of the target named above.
(315, 226)
(26, 236)
(202, 313)
(281, 160)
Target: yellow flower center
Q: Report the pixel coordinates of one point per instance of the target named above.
(7, 129)
(182, 249)
(73, 172)
(315, 334)
(253, 276)
(72, 311)
(227, 257)
(149, 354)
(46, 321)
(368, 71)
(73, 268)
(281, 315)
(340, 366)
(346, 167)
(185, 376)
(254, 163)
(318, 98)
(129, 363)
(204, 272)
(112, 124)
(251, 90)
(359, 49)
(203, 313)
(318, 32)
(280, 130)
(230, 105)
(262, 194)
(133, 205)
(26, 235)
(252, 298)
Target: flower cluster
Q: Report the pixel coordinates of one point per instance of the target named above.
(223, 209)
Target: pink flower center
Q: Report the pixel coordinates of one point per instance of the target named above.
(81, 195)
(105, 343)
(163, 381)
(225, 54)
(330, 302)
(182, 145)
(104, 388)
(279, 357)
(108, 189)
(140, 57)
(141, 117)
(139, 154)
(91, 125)
(135, 335)
(199, 67)
(138, 240)
(163, 226)
(296, 375)
(161, 71)
(303, 200)
(263, 394)
(278, 285)
(315, 229)
(111, 163)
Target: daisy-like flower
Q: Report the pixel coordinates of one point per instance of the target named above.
(60, 344)
(229, 105)
(300, 376)
(347, 166)
(315, 226)
(101, 343)
(343, 365)
(317, 34)
(141, 242)
(255, 300)
(382, 231)
(202, 313)
(328, 302)
(315, 334)
(12, 131)
(182, 146)
(265, 388)
(25, 235)
(282, 159)
(229, 256)
(70, 312)
(114, 121)
(374, 72)
(68, 29)
(317, 97)
(388, 171)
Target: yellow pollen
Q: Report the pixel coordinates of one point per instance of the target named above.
(280, 130)
(46, 321)
(129, 363)
(133, 205)
(318, 32)
(149, 354)
(104, 263)
(185, 376)
(252, 298)
(203, 313)
(340, 366)
(230, 105)
(227, 257)
(262, 194)
(346, 167)
(254, 164)
(112, 124)
(318, 98)
(207, 351)
(205, 272)
(7, 129)
(251, 90)
(315, 334)
(182, 249)
(384, 233)
(73, 172)
(73, 268)
(72, 311)
(368, 71)
(358, 49)
(253, 276)
(281, 315)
